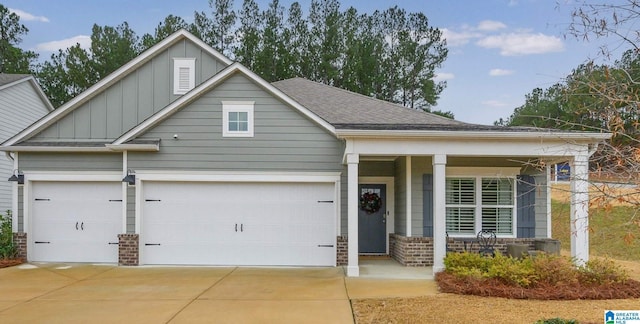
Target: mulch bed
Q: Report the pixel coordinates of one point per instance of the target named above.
(10, 262)
(571, 291)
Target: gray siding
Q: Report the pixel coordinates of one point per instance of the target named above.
(344, 228)
(132, 99)
(284, 140)
(376, 169)
(70, 161)
(20, 106)
(541, 205)
(131, 209)
(420, 165)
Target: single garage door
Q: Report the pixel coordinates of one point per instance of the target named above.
(239, 223)
(75, 221)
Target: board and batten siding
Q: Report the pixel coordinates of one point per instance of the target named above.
(400, 190)
(20, 106)
(133, 98)
(541, 205)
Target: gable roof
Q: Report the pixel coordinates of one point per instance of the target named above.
(208, 85)
(9, 80)
(111, 79)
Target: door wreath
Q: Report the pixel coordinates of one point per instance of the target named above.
(370, 202)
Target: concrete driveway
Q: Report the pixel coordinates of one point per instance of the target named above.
(79, 293)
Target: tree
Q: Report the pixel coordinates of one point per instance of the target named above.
(170, 25)
(217, 30)
(12, 58)
(69, 72)
(248, 34)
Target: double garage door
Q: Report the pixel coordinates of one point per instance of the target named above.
(188, 223)
(239, 223)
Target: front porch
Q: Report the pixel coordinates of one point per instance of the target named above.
(471, 184)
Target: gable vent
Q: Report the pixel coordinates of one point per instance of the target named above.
(184, 76)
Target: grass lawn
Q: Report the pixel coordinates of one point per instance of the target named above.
(613, 232)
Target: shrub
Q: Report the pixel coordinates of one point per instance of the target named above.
(7, 249)
(553, 270)
(466, 264)
(512, 271)
(602, 272)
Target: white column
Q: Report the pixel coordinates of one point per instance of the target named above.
(580, 208)
(124, 187)
(353, 270)
(408, 196)
(439, 211)
(547, 170)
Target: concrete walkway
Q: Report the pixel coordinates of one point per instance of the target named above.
(81, 293)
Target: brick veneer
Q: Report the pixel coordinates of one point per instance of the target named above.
(342, 251)
(128, 249)
(20, 241)
(411, 251)
(418, 251)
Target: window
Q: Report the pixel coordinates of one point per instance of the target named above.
(237, 118)
(477, 203)
(184, 75)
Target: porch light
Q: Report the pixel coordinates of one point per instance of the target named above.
(17, 176)
(130, 178)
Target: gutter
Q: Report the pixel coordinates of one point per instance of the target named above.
(588, 137)
(96, 149)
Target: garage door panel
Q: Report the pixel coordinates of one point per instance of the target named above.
(242, 223)
(75, 222)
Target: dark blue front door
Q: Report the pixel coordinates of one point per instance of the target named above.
(372, 222)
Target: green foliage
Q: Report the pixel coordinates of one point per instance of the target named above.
(12, 58)
(7, 249)
(528, 272)
(557, 320)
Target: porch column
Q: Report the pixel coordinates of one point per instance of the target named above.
(439, 211)
(580, 208)
(353, 270)
(408, 196)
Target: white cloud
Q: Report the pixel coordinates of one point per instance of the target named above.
(522, 43)
(53, 46)
(27, 16)
(459, 38)
(490, 25)
(500, 72)
(494, 103)
(443, 77)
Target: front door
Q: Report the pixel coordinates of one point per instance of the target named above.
(372, 220)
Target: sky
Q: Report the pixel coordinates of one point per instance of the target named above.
(499, 50)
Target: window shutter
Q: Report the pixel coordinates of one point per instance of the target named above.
(526, 213)
(427, 205)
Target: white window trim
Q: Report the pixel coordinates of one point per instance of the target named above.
(237, 106)
(179, 63)
(487, 173)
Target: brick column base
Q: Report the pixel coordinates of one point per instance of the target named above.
(128, 249)
(20, 241)
(342, 251)
(411, 251)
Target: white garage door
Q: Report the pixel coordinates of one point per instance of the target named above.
(239, 223)
(75, 221)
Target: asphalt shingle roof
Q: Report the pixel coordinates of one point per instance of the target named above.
(9, 78)
(341, 107)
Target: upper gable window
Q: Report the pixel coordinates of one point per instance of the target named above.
(237, 118)
(184, 75)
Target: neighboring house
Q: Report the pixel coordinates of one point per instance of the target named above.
(183, 157)
(22, 102)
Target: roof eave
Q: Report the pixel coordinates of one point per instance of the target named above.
(578, 136)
